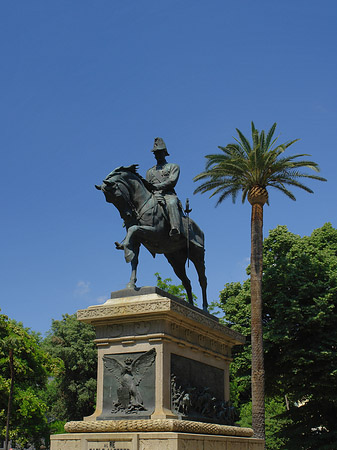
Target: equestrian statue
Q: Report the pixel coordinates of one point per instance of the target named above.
(153, 216)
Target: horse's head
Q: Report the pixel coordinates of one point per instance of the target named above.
(121, 188)
(115, 187)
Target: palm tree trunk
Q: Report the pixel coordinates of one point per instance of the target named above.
(256, 262)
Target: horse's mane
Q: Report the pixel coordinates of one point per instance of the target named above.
(132, 170)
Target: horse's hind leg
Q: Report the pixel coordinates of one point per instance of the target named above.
(177, 261)
(197, 255)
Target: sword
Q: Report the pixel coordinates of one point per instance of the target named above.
(187, 212)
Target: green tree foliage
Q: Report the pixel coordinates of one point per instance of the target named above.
(32, 366)
(275, 408)
(72, 394)
(300, 333)
(167, 286)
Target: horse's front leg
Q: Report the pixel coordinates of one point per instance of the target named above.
(134, 263)
(128, 246)
(133, 239)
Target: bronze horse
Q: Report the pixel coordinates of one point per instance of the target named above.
(147, 223)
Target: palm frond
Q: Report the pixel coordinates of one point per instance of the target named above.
(270, 135)
(255, 136)
(235, 149)
(230, 192)
(242, 165)
(244, 141)
(272, 144)
(313, 177)
(292, 182)
(253, 128)
(262, 141)
(285, 191)
(288, 144)
(245, 193)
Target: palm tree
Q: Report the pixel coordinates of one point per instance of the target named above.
(250, 168)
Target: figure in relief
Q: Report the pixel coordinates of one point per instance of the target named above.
(129, 375)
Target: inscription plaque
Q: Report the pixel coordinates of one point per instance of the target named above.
(110, 445)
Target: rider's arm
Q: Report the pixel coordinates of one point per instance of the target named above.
(149, 182)
(171, 180)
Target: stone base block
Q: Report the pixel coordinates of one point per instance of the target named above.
(152, 441)
(160, 358)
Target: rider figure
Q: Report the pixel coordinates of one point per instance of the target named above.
(163, 177)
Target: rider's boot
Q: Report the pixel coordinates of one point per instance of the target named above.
(174, 217)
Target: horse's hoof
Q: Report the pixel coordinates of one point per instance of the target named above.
(131, 286)
(119, 246)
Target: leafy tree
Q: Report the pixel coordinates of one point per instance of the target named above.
(72, 393)
(300, 334)
(31, 368)
(250, 168)
(177, 290)
(275, 408)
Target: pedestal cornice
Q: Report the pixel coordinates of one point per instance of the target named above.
(153, 303)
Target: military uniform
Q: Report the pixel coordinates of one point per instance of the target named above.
(163, 177)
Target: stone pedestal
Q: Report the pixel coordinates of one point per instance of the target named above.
(163, 378)
(152, 441)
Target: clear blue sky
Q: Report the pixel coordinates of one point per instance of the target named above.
(87, 85)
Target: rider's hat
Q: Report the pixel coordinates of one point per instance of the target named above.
(159, 144)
